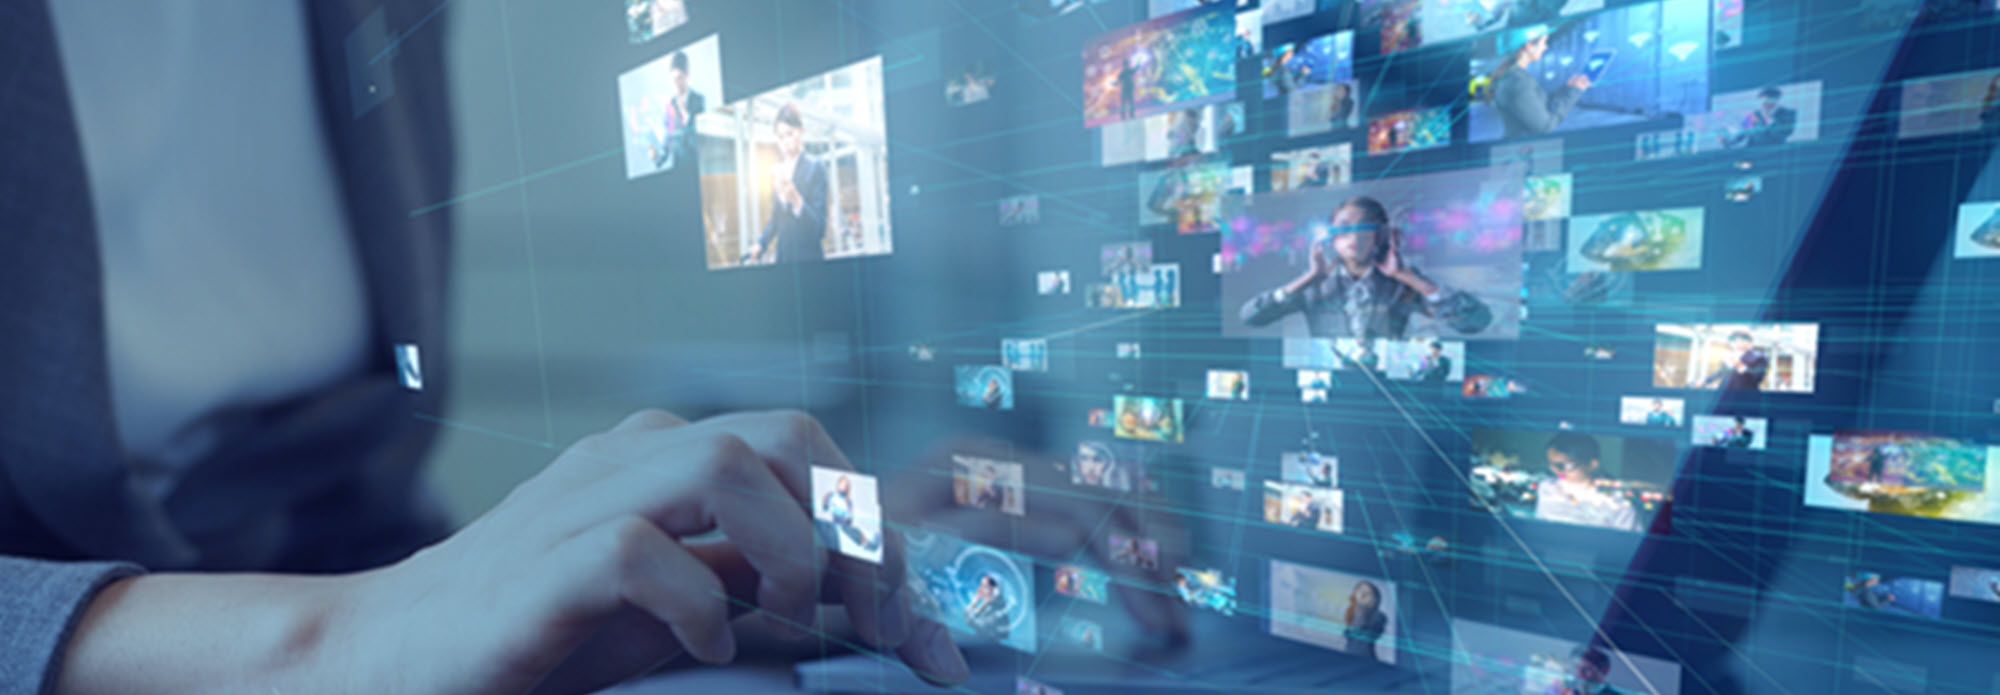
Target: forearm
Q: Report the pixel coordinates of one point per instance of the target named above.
(1420, 284)
(1300, 284)
(211, 633)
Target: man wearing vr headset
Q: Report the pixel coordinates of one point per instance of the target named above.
(1360, 287)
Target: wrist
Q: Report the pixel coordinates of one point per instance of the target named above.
(207, 633)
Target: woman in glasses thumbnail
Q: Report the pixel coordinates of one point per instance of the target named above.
(1359, 286)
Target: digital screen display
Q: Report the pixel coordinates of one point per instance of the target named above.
(799, 173)
(1485, 346)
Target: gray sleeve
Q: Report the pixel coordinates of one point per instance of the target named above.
(40, 603)
(1523, 100)
(1262, 309)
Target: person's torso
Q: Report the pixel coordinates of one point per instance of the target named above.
(229, 279)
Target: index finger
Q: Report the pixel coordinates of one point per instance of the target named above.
(713, 479)
(794, 443)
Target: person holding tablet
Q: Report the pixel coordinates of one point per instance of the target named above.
(1527, 108)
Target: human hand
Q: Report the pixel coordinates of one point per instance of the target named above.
(788, 193)
(1580, 81)
(1391, 263)
(585, 574)
(1321, 266)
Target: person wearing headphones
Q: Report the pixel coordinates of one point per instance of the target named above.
(1364, 289)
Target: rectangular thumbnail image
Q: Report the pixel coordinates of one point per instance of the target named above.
(1124, 257)
(1545, 197)
(799, 173)
(1109, 466)
(1314, 384)
(1731, 431)
(1312, 167)
(1627, 65)
(972, 589)
(1170, 135)
(1960, 102)
(1978, 231)
(1176, 61)
(1424, 360)
(1077, 581)
(1155, 286)
(1025, 354)
(1143, 553)
(982, 483)
(1410, 129)
(1761, 117)
(1304, 506)
(1728, 24)
(1903, 473)
(1206, 588)
(1899, 595)
(1571, 477)
(1398, 21)
(847, 513)
(1346, 613)
(1457, 19)
(1227, 478)
(1309, 468)
(1492, 386)
(1276, 11)
(1456, 240)
(988, 386)
(1182, 133)
(1028, 686)
(1652, 411)
(1494, 660)
(663, 102)
(1051, 282)
(1320, 109)
(971, 85)
(1551, 284)
(1775, 357)
(1228, 385)
(1081, 634)
(1188, 196)
(648, 19)
(1147, 418)
(1249, 31)
(1318, 62)
(1641, 240)
(1976, 583)
(1020, 209)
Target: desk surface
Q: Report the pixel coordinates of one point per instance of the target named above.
(751, 679)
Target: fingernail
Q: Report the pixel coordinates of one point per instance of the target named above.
(894, 617)
(946, 661)
(722, 647)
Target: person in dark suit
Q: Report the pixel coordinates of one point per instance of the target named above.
(682, 108)
(1745, 372)
(1770, 124)
(797, 225)
(210, 475)
(1436, 367)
